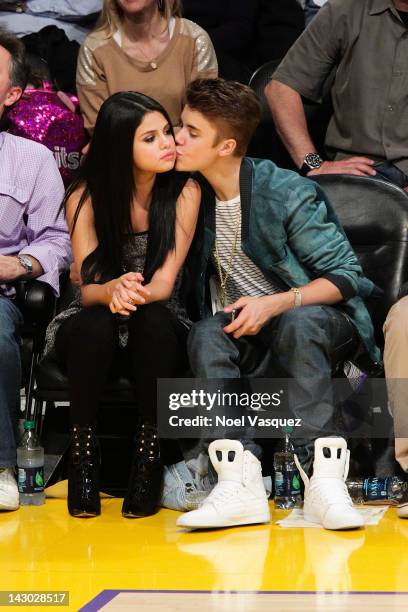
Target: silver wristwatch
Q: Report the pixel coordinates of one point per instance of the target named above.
(26, 263)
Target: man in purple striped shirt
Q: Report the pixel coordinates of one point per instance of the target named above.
(34, 243)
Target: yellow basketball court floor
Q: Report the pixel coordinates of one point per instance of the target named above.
(111, 563)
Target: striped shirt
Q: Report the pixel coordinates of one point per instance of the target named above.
(244, 278)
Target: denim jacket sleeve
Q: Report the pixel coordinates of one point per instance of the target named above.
(317, 239)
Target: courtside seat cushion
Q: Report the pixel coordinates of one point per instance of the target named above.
(52, 382)
(374, 215)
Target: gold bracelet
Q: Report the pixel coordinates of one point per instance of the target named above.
(297, 297)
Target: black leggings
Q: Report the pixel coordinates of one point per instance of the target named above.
(87, 348)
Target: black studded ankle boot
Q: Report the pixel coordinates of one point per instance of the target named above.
(83, 473)
(146, 477)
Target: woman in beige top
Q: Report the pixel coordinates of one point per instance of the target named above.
(145, 46)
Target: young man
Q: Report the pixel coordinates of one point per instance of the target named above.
(286, 268)
(34, 242)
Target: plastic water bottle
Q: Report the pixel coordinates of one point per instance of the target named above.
(30, 464)
(287, 477)
(375, 490)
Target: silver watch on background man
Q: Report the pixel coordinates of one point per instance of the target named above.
(26, 263)
(311, 161)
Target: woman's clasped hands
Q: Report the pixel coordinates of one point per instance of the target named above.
(127, 293)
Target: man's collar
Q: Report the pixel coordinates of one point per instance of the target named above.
(2, 137)
(379, 6)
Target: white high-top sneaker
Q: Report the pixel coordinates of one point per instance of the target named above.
(9, 498)
(327, 500)
(402, 510)
(238, 498)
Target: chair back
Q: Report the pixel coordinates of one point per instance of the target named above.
(37, 303)
(266, 142)
(374, 215)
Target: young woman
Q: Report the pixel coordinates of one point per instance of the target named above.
(132, 220)
(146, 46)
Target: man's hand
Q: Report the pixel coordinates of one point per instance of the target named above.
(10, 268)
(256, 312)
(359, 166)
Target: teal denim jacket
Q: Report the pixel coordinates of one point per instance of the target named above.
(290, 231)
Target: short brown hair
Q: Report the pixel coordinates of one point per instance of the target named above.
(234, 108)
(18, 71)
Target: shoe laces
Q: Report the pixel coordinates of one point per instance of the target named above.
(330, 491)
(223, 492)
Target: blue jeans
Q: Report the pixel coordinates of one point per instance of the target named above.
(305, 344)
(10, 379)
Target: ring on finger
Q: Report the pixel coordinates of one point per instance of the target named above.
(131, 301)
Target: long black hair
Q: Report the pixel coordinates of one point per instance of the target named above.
(107, 178)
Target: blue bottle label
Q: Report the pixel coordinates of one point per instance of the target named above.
(31, 480)
(287, 483)
(375, 489)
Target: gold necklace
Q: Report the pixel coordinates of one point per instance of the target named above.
(224, 278)
(153, 64)
(150, 60)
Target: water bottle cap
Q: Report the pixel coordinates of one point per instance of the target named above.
(29, 424)
(287, 429)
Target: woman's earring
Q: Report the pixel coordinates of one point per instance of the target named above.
(160, 5)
